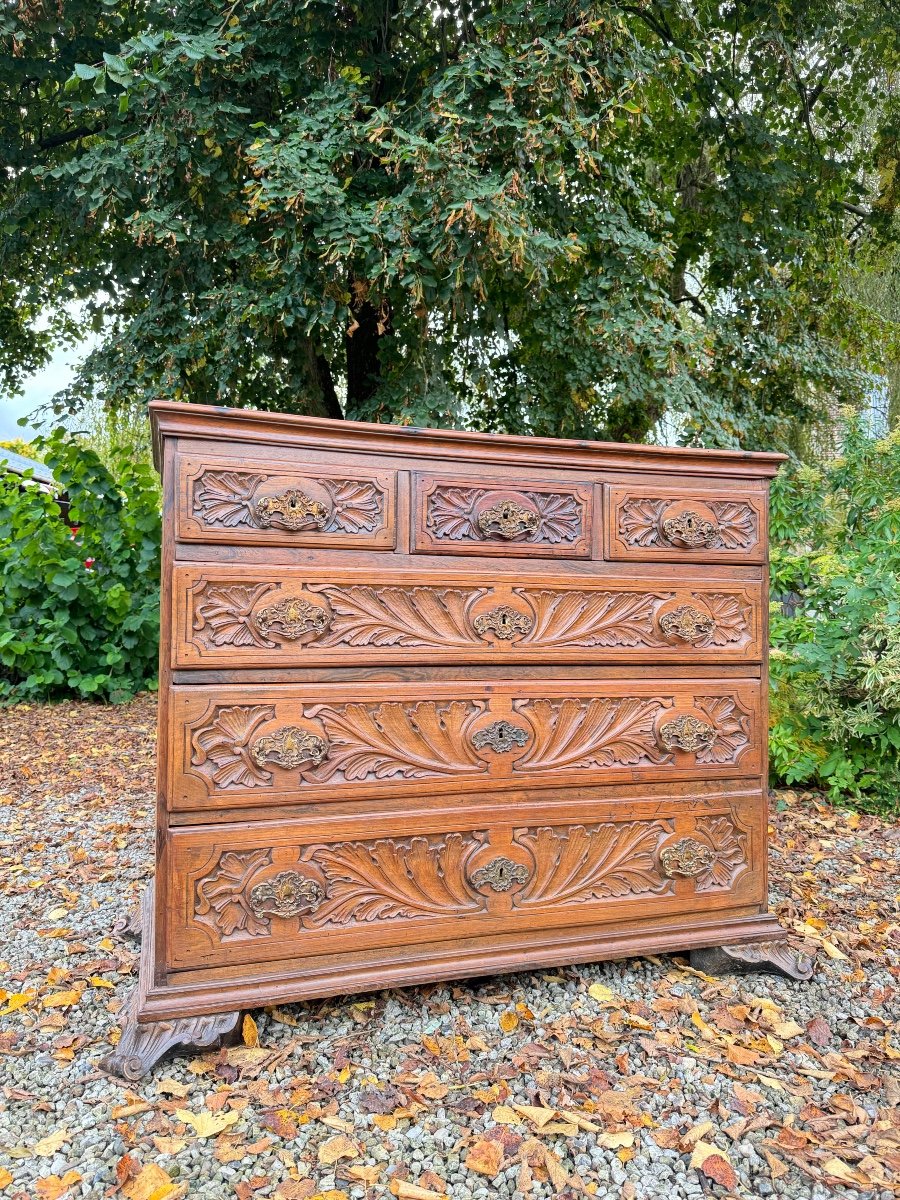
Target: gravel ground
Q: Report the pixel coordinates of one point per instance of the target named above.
(635, 1079)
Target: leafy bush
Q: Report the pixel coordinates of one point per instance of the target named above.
(836, 623)
(79, 607)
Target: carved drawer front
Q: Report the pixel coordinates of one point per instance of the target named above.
(257, 746)
(293, 617)
(679, 524)
(501, 517)
(293, 889)
(273, 503)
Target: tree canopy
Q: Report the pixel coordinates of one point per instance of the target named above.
(526, 215)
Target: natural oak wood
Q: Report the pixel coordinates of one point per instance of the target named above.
(437, 704)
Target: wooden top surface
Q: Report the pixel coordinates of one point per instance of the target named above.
(211, 422)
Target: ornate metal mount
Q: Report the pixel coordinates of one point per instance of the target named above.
(504, 622)
(689, 529)
(769, 958)
(500, 874)
(291, 509)
(687, 733)
(288, 894)
(688, 857)
(687, 623)
(500, 736)
(292, 618)
(142, 1045)
(508, 520)
(289, 747)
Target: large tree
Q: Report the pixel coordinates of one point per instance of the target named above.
(566, 218)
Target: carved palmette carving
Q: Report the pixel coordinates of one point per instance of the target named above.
(289, 747)
(221, 747)
(687, 733)
(500, 874)
(414, 878)
(642, 523)
(504, 622)
(590, 733)
(229, 498)
(292, 618)
(456, 513)
(500, 736)
(687, 623)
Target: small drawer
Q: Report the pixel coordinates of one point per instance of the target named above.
(501, 517)
(684, 524)
(228, 501)
(252, 616)
(298, 889)
(260, 745)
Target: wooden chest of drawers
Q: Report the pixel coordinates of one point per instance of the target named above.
(438, 704)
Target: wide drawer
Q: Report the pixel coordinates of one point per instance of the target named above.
(221, 500)
(254, 746)
(508, 517)
(244, 894)
(648, 522)
(225, 616)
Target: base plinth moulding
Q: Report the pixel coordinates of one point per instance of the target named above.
(768, 958)
(143, 1044)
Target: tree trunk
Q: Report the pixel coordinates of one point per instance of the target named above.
(363, 364)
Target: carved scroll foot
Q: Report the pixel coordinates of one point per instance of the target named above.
(132, 926)
(769, 958)
(142, 1045)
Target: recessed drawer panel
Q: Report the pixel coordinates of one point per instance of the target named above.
(298, 617)
(685, 524)
(251, 746)
(297, 889)
(501, 517)
(226, 500)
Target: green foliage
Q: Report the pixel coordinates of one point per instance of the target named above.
(528, 215)
(79, 614)
(835, 660)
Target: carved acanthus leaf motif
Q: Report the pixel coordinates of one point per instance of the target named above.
(504, 622)
(356, 505)
(731, 615)
(221, 747)
(593, 618)
(578, 863)
(379, 741)
(639, 521)
(737, 524)
(222, 901)
(288, 894)
(395, 616)
(290, 747)
(292, 618)
(590, 733)
(500, 736)
(729, 853)
(500, 874)
(732, 725)
(688, 624)
(224, 497)
(223, 614)
(453, 513)
(560, 514)
(383, 879)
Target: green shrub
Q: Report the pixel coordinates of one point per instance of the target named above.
(835, 628)
(79, 611)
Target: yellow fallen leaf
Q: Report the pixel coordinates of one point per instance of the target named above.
(169, 1145)
(106, 944)
(412, 1191)
(504, 1115)
(338, 1123)
(697, 1133)
(99, 982)
(616, 1141)
(841, 1170)
(369, 1175)
(705, 1032)
(150, 1183)
(832, 951)
(206, 1124)
(49, 1145)
(485, 1157)
(580, 1120)
(605, 995)
(537, 1116)
(16, 1001)
(171, 1087)
(385, 1121)
(787, 1029)
(337, 1147)
(130, 1110)
(54, 1187)
(508, 1021)
(5, 1177)
(61, 999)
(249, 1032)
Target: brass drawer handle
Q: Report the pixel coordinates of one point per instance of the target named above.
(688, 858)
(291, 509)
(289, 747)
(689, 530)
(287, 895)
(687, 623)
(500, 736)
(500, 874)
(292, 618)
(687, 733)
(508, 520)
